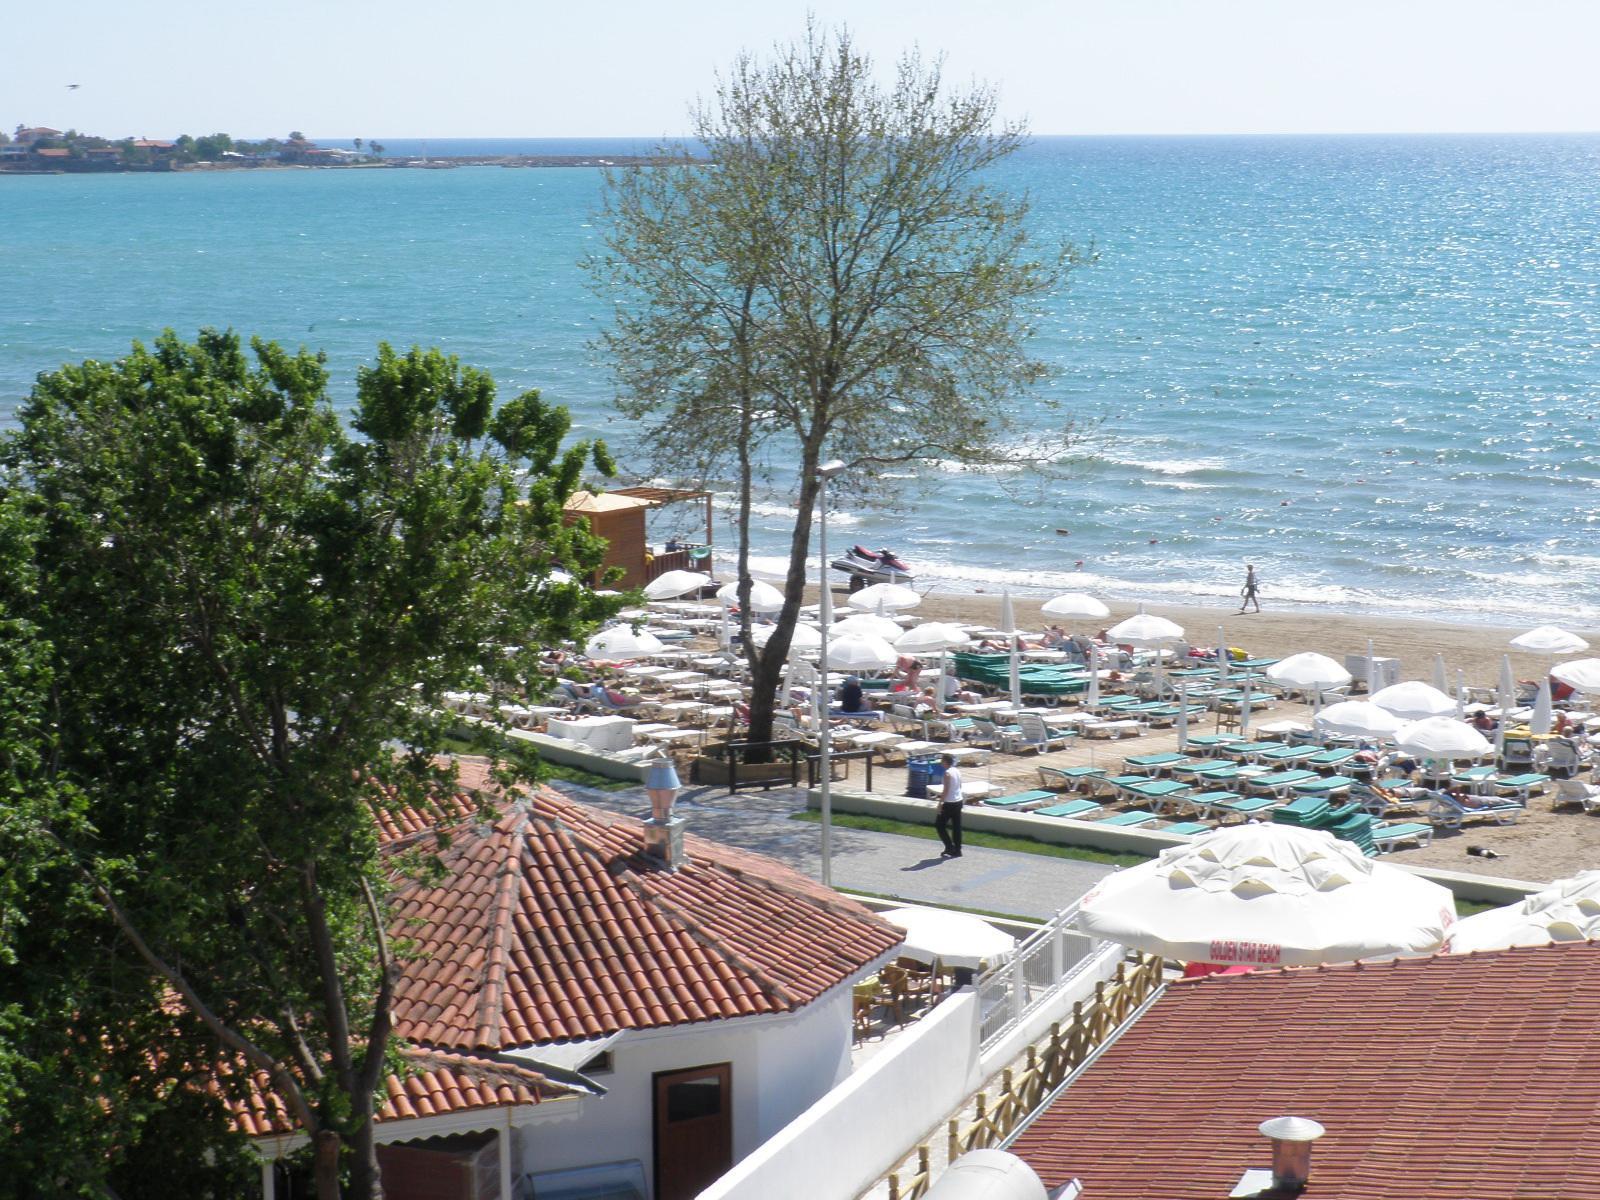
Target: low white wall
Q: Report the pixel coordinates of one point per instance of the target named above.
(576, 754)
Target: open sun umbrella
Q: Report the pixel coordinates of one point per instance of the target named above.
(806, 637)
(1268, 894)
(865, 625)
(1441, 738)
(764, 598)
(1581, 674)
(1075, 604)
(1146, 632)
(956, 939)
(1548, 640)
(931, 637)
(893, 596)
(1414, 700)
(675, 583)
(1358, 718)
(1567, 911)
(620, 641)
(858, 653)
(1308, 672)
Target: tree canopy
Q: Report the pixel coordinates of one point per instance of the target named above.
(227, 637)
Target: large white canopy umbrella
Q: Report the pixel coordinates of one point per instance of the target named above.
(672, 584)
(1441, 738)
(931, 637)
(1075, 604)
(1548, 640)
(1146, 632)
(1271, 895)
(857, 653)
(1308, 672)
(1583, 674)
(806, 637)
(1413, 700)
(893, 596)
(865, 625)
(764, 598)
(620, 641)
(1358, 718)
(1567, 911)
(956, 939)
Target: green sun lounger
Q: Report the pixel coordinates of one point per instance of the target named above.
(1018, 799)
(1386, 836)
(1238, 750)
(1069, 776)
(1187, 828)
(1248, 806)
(1280, 781)
(1154, 761)
(1519, 786)
(1332, 758)
(1136, 817)
(1285, 754)
(1210, 741)
(1072, 808)
(1322, 786)
(1207, 803)
(1153, 788)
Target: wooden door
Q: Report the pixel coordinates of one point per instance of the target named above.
(693, 1129)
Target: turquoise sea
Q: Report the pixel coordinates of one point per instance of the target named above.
(1368, 365)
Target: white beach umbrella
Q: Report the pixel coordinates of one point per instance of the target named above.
(620, 641)
(1441, 681)
(1414, 700)
(1543, 717)
(806, 637)
(956, 939)
(1146, 632)
(1091, 696)
(1075, 604)
(675, 583)
(1268, 894)
(1223, 657)
(1505, 700)
(1358, 718)
(894, 596)
(1372, 670)
(1008, 626)
(1548, 640)
(1581, 674)
(865, 625)
(931, 637)
(1566, 911)
(1307, 672)
(858, 653)
(1441, 738)
(1461, 694)
(764, 598)
(1244, 710)
(1183, 717)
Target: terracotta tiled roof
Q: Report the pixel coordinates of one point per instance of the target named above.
(439, 1084)
(552, 926)
(1448, 1078)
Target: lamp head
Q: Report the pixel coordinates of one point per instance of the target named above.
(830, 468)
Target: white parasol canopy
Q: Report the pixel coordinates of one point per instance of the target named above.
(1582, 674)
(931, 637)
(1548, 640)
(1543, 716)
(1441, 680)
(893, 596)
(956, 939)
(1145, 631)
(865, 625)
(1414, 700)
(806, 637)
(675, 583)
(1008, 626)
(1075, 604)
(1308, 671)
(1358, 718)
(1441, 738)
(620, 641)
(858, 653)
(1567, 911)
(1271, 895)
(763, 596)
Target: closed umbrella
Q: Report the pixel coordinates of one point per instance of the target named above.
(1414, 700)
(1461, 694)
(859, 653)
(865, 625)
(1091, 697)
(956, 939)
(1581, 674)
(1008, 626)
(1505, 700)
(1441, 738)
(1440, 679)
(1075, 604)
(1358, 718)
(1183, 717)
(1566, 911)
(764, 598)
(675, 583)
(895, 597)
(1543, 717)
(1548, 640)
(1223, 658)
(1271, 895)
(620, 641)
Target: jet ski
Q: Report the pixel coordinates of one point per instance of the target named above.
(872, 566)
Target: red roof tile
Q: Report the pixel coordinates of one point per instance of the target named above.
(552, 926)
(1452, 1078)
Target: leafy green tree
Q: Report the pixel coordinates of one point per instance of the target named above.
(212, 146)
(840, 280)
(358, 145)
(376, 148)
(246, 617)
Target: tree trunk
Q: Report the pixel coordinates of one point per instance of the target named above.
(366, 1179)
(766, 672)
(326, 1165)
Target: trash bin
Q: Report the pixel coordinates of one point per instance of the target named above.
(917, 777)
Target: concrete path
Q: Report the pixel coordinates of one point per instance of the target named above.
(884, 864)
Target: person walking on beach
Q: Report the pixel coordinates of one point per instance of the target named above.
(1248, 593)
(948, 822)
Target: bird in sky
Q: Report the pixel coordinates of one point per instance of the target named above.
(72, 87)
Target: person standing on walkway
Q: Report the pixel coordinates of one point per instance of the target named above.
(948, 822)
(1248, 593)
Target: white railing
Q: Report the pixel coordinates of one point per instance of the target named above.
(1042, 963)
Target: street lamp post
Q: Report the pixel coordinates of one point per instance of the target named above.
(824, 746)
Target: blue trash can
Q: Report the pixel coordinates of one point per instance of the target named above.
(917, 777)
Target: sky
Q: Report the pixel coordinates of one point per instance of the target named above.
(532, 68)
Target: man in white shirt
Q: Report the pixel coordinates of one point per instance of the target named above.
(948, 822)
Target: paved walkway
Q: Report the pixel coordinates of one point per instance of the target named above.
(885, 864)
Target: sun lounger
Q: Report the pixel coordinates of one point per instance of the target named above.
(1279, 755)
(1385, 837)
(1072, 808)
(1519, 787)
(1248, 806)
(1336, 757)
(1151, 764)
(1153, 791)
(1575, 791)
(1112, 729)
(1240, 751)
(1069, 778)
(1166, 716)
(1449, 813)
(1322, 785)
(1187, 828)
(1136, 817)
(1206, 804)
(1019, 799)
(1033, 734)
(1206, 743)
(1279, 782)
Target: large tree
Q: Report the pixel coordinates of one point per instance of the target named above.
(840, 280)
(244, 618)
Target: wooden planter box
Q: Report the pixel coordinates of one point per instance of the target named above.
(715, 771)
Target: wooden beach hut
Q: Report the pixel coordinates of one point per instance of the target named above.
(619, 517)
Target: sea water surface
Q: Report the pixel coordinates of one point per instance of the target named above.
(1367, 365)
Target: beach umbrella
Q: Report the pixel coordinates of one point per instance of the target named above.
(1414, 700)
(1543, 718)
(1505, 700)
(672, 584)
(1372, 670)
(620, 641)
(1581, 674)
(1244, 710)
(955, 939)
(1358, 718)
(1183, 717)
(1307, 672)
(1008, 626)
(724, 627)
(1091, 697)
(806, 637)
(893, 596)
(1075, 604)
(1566, 911)
(859, 653)
(865, 625)
(1461, 694)
(1146, 632)
(1440, 679)
(931, 637)
(764, 598)
(1548, 640)
(1267, 894)
(1223, 658)
(1441, 738)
